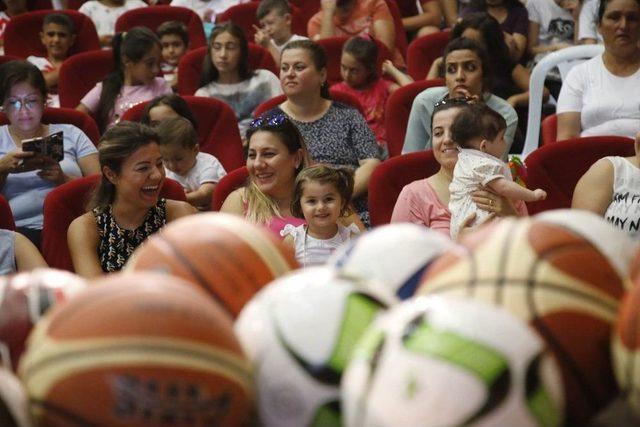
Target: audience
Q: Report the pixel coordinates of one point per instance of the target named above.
(335, 133)
(105, 13)
(226, 75)
(25, 177)
(426, 21)
(58, 36)
(588, 23)
(174, 39)
(467, 74)
(17, 253)
(602, 95)
(275, 32)
(134, 79)
(126, 207)
(551, 25)
(611, 188)
(165, 106)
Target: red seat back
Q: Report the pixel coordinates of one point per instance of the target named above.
(333, 48)
(217, 129)
(549, 129)
(190, 66)
(423, 51)
(22, 34)
(231, 181)
(557, 167)
(80, 73)
(67, 116)
(389, 178)
(153, 17)
(67, 202)
(399, 103)
(6, 216)
(8, 58)
(336, 95)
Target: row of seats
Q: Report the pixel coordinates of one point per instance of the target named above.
(555, 167)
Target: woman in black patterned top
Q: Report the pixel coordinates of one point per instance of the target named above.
(334, 133)
(126, 207)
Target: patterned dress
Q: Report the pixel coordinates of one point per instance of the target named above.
(117, 244)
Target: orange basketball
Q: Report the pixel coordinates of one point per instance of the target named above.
(564, 272)
(227, 256)
(137, 349)
(626, 348)
(24, 298)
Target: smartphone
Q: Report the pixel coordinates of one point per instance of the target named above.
(51, 146)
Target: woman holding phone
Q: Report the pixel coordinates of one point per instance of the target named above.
(26, 177)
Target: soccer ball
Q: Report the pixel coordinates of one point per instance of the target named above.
(395, 255)
(299, 332)
(564, 272)
(447, 361)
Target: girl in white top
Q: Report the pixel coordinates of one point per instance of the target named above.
(611, 188)
(479, 132)
(321, 195)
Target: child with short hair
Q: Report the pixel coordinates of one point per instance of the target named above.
(105, 13)
(321, 196)
(58, 36)
(174, 39)
(360, 78)
(479, 133)
(197, 172)
(275, 32)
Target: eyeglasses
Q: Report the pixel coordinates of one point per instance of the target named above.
(274, 120)
(17, 104)
(459, 100)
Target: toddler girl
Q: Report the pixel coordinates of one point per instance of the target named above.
(134, 79)
(226, 75)
(479, 133)
(360, 78)
(321, 195)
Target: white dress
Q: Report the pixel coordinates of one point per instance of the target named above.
(311, 251)
(473, 169)
(624, 210)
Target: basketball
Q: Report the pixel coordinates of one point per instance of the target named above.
(14, 407)
(227, 256)
(137, 349)
(564, 272)
(626, 348)
(24, 298)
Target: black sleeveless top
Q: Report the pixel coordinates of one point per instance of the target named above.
(116, 244)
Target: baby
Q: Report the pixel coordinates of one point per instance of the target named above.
(479, 133)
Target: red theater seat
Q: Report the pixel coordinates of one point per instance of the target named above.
(6, 216)
(333, 48)
(336, 95)
(228, 183)
(80, 73)
(549, 129)
(423, 51)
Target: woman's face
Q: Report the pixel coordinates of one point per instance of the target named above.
(140, 178)
(463, 73)
(619, 27)
(225, 53)
(271, 165)
(444, 149)
(160, 113)
(24, 107)
(299, 75)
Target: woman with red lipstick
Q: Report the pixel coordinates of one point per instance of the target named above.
(467, 73)
(26, 178)
(126, 207)
(602, 96)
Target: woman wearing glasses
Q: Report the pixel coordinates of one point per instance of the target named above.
(26, 178)
(276, 154)
(467, 74)
(335, 134)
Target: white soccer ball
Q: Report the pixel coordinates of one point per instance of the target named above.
(299, 332)
(395, 254)
(446, 361)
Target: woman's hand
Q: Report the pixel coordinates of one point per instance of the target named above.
(12, 161)
(52, 172)
(489, 201)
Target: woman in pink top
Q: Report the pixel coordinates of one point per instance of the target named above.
(426, 201)
(136, 55)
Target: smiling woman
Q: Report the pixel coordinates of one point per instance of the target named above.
(126, 207)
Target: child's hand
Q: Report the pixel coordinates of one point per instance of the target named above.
(539, 194)
(388, 67)
(261, 37)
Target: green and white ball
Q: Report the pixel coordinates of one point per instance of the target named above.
(299, 332)
(446, 361)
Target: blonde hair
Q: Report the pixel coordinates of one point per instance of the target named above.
(341, 178)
